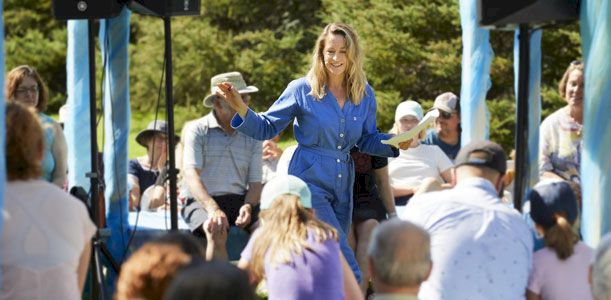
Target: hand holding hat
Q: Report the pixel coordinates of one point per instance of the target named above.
(229, 94)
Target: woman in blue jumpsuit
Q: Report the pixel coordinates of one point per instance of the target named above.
(334, 109)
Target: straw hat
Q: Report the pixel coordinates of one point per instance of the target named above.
(235, 78)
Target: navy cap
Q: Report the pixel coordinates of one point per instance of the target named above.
(550, 198)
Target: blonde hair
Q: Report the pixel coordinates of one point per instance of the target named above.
(14, 79)
(561, 237)
(574, 66)
(354, 77)
(283, 232)
(24, 142)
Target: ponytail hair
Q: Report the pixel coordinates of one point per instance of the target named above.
(561, 237)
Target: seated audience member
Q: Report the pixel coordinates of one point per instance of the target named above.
(446, 134)
(481, 248)
(414, 165)
(46, 237)
(600, 272)
(24, 85)
(271, 156)
(297, 254)
(150, 270)
(222, 169)
(372, 200)
(146, 174)
(399, 259)
(212, 280)
(560, 140)
(560, 270)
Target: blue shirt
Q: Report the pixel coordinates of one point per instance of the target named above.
(433, 139)
(325, 134)
(48, 162)
(481, 248)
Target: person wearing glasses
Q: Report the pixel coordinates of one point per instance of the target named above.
(24, 85)
(560, 141)
(446, 134)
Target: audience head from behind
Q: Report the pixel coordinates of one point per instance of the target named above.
(210, 280)
(553, 208)
(399, 257)
(483, 159)
(600, 272)
(24, 142)
(150, 270)
(24, 85)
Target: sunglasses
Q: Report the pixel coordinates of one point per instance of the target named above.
(444, 114)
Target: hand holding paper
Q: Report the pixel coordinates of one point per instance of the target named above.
(408, 135)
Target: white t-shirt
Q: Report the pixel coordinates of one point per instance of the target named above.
(552, 278)
(44, 233)
(415, 164)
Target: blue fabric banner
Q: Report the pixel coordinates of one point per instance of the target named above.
(476, 60)
(534, 101)
(76, 126)
(114, 40)
(595, 161)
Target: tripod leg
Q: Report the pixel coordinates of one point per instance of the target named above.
(97, 284)
(115, 266)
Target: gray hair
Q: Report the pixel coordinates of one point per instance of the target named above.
(601, 270)
(400, 253)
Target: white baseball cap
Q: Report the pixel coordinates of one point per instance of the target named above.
(408, 108)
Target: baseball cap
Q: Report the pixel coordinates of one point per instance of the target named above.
(283, 185)
(549, 198)
(483, 154)
(408, 108)
(447, 102)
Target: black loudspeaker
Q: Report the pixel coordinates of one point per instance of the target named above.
(509, 14)
(86, 9)
(165, 8)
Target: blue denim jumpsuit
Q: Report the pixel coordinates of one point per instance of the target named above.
(325, 134)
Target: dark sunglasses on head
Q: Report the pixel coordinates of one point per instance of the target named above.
(576, 62)
(444, 114)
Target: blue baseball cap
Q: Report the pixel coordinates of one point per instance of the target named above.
(549, 198)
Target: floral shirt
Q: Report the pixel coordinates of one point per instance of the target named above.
(560, 146)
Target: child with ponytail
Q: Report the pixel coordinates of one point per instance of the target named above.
(560, 270)
(297, 254)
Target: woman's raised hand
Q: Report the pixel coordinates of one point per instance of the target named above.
(230, 95)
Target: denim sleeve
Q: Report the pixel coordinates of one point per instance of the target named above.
(264, 126)
(371, 139)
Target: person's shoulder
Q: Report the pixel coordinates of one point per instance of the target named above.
(554, 118)
(582, 247)
(431, 136)
(431, 148)
(298, 84)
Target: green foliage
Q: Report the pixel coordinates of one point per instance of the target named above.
(413, 51)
